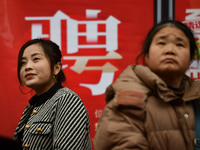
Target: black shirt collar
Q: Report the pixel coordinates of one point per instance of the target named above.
(38, 100)
(179, 91)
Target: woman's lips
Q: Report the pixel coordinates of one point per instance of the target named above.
(169, 60)
(29, 75)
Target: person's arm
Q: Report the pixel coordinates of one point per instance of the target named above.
(121, 127)
(71, 127)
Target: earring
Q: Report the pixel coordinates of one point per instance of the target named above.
(54, 76)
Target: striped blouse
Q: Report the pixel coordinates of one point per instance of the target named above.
(57, 120)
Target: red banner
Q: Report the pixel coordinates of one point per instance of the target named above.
(189, 13)
(98, 39)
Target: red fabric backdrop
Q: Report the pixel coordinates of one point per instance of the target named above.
(98, 38)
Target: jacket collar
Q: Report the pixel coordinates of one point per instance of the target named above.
(38, 100)
(159, 87)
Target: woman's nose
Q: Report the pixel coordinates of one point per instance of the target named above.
(170, 49)
(28, 66)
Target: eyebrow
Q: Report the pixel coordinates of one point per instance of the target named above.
(165, 37)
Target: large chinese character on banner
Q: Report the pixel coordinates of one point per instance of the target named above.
(95, 34)
(98, 40)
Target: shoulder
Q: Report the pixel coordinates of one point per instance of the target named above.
(66, 96)
(191, 88)
(64, 91)
(128, 87)
(66, 99)
(191, 83)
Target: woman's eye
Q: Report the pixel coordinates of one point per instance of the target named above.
(180, 44)
(161, 43)
(23, 63)
(36, 58)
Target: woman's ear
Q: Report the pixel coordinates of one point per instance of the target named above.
(57, 68)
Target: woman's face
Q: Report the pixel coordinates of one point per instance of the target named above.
(35, 69)
(169, 52)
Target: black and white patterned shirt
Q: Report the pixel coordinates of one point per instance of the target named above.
(55, 120)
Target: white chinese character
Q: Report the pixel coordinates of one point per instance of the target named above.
(193, 21)
(91, 33)
(107, 74)
(73, 46)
